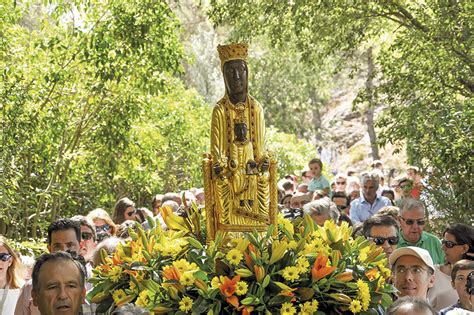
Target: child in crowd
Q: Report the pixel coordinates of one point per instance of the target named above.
(319, 182)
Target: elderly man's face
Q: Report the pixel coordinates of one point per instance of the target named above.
(369, 190)
(235, 77)
(60, 290)
(319, 219)
(410, 310)
(412, 223)
(388, 234)
(88, 243)
(412, 277)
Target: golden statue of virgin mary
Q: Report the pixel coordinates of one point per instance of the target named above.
(239, 173)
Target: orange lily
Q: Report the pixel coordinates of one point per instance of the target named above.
(259, 273)
(228, 289)
(288, 293)
(171, 273)
(247, 310)
(228, 286)
(372, 274)
(345, 276)
(320, 268)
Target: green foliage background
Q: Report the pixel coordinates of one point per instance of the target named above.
(93, 109)
(424, 73)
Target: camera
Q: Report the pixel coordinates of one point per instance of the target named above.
(470, 283)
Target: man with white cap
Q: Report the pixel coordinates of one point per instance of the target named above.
(413, 271)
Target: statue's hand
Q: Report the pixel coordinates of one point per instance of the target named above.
(265, 165)
(217, 168)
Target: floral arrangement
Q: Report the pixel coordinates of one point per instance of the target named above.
(295, 268)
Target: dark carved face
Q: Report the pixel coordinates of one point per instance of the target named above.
(240, 131)
(235, 77)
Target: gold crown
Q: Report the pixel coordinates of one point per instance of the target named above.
(232, 52)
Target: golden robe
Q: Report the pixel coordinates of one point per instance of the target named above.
(240, 191)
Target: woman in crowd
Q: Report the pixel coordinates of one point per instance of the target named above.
(104, 226)
(10, 280)
(457, 244)
(124, 210)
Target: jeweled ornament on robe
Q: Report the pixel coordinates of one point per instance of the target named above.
(239, 173)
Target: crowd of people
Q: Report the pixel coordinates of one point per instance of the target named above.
(433, 272)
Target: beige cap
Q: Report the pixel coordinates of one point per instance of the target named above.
(421, 253)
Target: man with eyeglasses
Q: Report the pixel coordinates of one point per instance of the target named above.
(413, 271)
(382, 231)
(64, 235)
(341, 200)
(412, 222)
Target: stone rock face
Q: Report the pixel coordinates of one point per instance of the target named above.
(345, 137)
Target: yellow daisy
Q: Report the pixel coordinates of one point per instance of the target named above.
(291, 273)
(302, 264)
(143, 299)
(115, 273)
(215, 282)
(118, 295)
(185, 304)
(309, 307)
(363, 294)
(241, 288)
(187, 278)
(234, 256)
(287, 309)
(355, 306)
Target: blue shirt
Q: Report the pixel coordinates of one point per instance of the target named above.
(318, 184)
(361, 209)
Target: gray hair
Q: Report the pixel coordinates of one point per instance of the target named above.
(372, 176)
(409, 204)
(319, 207)
(84, 221)
(410, 302)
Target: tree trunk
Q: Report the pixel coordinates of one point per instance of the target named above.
(371, 105)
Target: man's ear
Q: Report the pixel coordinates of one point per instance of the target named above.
(33, 297)
(452, 284)
(49, 248)
(431, 281)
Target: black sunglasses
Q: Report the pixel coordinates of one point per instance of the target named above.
(132, 212)
(86, 236)
(342, 207)
(411, 221)
(5, 256)
(449, 244)
(341, 183)
(102, 228)
(381, 240)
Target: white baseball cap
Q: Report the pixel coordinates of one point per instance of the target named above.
(421, 253)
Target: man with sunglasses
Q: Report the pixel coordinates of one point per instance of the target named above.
(412, 222)
(342, 201)
(64, 235)
(382, 230)
(88, 243)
